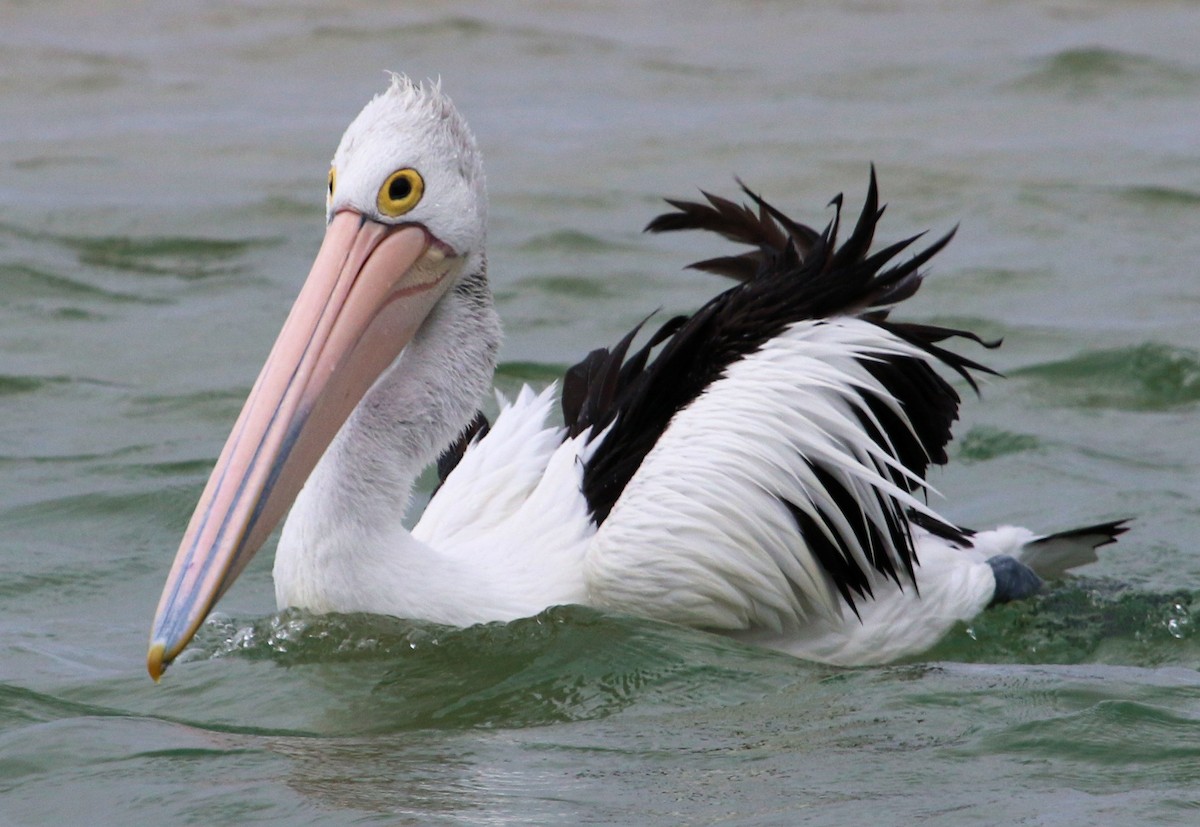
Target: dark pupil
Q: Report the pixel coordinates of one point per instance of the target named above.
(400, 188)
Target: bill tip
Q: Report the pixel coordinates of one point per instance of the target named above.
(154, 661)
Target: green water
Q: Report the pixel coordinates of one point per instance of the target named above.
(161, 179)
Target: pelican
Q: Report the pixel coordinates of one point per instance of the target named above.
(757, 469)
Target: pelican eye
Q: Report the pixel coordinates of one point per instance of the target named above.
(400, 192)
(332, 181)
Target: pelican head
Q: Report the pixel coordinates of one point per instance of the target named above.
(405, 212)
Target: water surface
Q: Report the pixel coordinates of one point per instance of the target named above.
(161, 199)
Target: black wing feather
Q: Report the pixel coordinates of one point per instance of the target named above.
(452, 456)
(793, 273)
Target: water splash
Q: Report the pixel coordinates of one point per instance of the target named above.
(1082, 622)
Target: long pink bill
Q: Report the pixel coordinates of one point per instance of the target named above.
(369, 290)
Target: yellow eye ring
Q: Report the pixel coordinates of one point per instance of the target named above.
(332, 182)
(400, 192)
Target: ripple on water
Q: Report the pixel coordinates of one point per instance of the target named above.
(177, 256)
(19, 705)
(569, 242)
(1095, 70)
(369, 674)
(570, 286)
(25, 284)
(1100, 734)
(1170, 198)
(29, 384)
(984, 442)
(1146, 377)
(564, 664)
(185, 257)
(1111, 744)
(536, 374)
